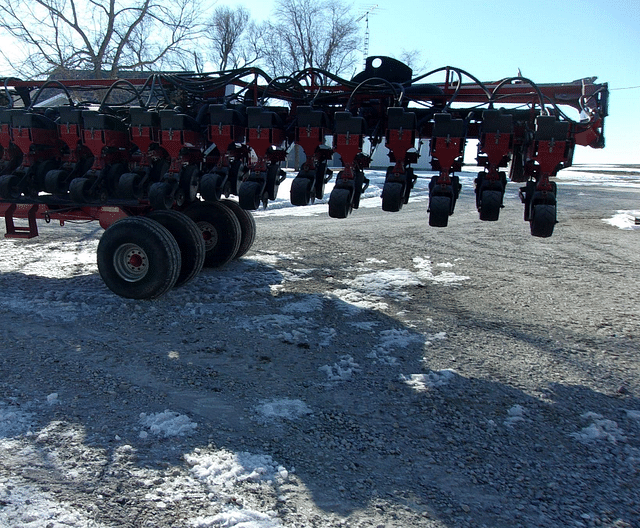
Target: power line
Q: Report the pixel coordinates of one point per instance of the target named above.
(627, 88)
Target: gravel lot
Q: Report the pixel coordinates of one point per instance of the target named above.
(371, 372)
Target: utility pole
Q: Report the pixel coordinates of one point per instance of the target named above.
(365, 17)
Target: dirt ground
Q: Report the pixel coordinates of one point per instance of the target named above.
(367, 372)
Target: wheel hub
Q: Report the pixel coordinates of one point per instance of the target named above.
(131, 262)
(209, 234)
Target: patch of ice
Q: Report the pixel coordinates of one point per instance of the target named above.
(285, 409)
(168, 423)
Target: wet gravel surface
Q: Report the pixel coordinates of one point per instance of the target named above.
(384, 374)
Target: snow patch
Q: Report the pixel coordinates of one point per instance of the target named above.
(342, 370)
(284, 409)
(627, 220)
(431, 380)
(167, 423)
(222, 470)
(599, 429)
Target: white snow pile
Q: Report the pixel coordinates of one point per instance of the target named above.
(27, 506)
(627, 220)
(13, 422)
(283, 409)
(342, 370)
(391, 340)
(221, 470)
(599, 429)
(238, 518)
(426, 273)
(167, 424)
(515, 414)
(369, 291)
(431, 380)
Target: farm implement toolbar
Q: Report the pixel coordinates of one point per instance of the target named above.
(156, 159)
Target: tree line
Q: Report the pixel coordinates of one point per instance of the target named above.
(111, 38)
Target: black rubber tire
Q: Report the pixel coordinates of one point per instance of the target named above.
(211, 187)
(129, 186)
(302, 191)
(220, 230)
(189, 179)
(543, 220)
(250, 195)
(189, 239)
(340, 205)
(392, 197)
(80, 190)
(247, 227)
(138, 258)
(8, 186)
(439, 208)
(55, 182)
(160, 196)
(490, 204)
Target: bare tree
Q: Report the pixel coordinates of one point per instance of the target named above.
(104, 37)
(226, 30)
(311, 33)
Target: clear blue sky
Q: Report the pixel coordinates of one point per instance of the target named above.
(550, 41)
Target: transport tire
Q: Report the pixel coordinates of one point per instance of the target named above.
(189, 239)
(247, 227)
(138, 258)
(220, 230)
(439, 208)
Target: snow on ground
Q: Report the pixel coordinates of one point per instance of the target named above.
(628, 220)
(66, 275)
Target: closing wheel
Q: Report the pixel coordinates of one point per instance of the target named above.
(189, 239)
(490, 204)
(543, 220)
(80, 190)
(247, 227)
(220, 230)
(9, 186)
(130, 186)
(301, 191)
(211, 185)
(138, 258)
(392, 197)
(439, 208)
(160, 195)
(250, 195)
(55, 182)
(340, 203)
